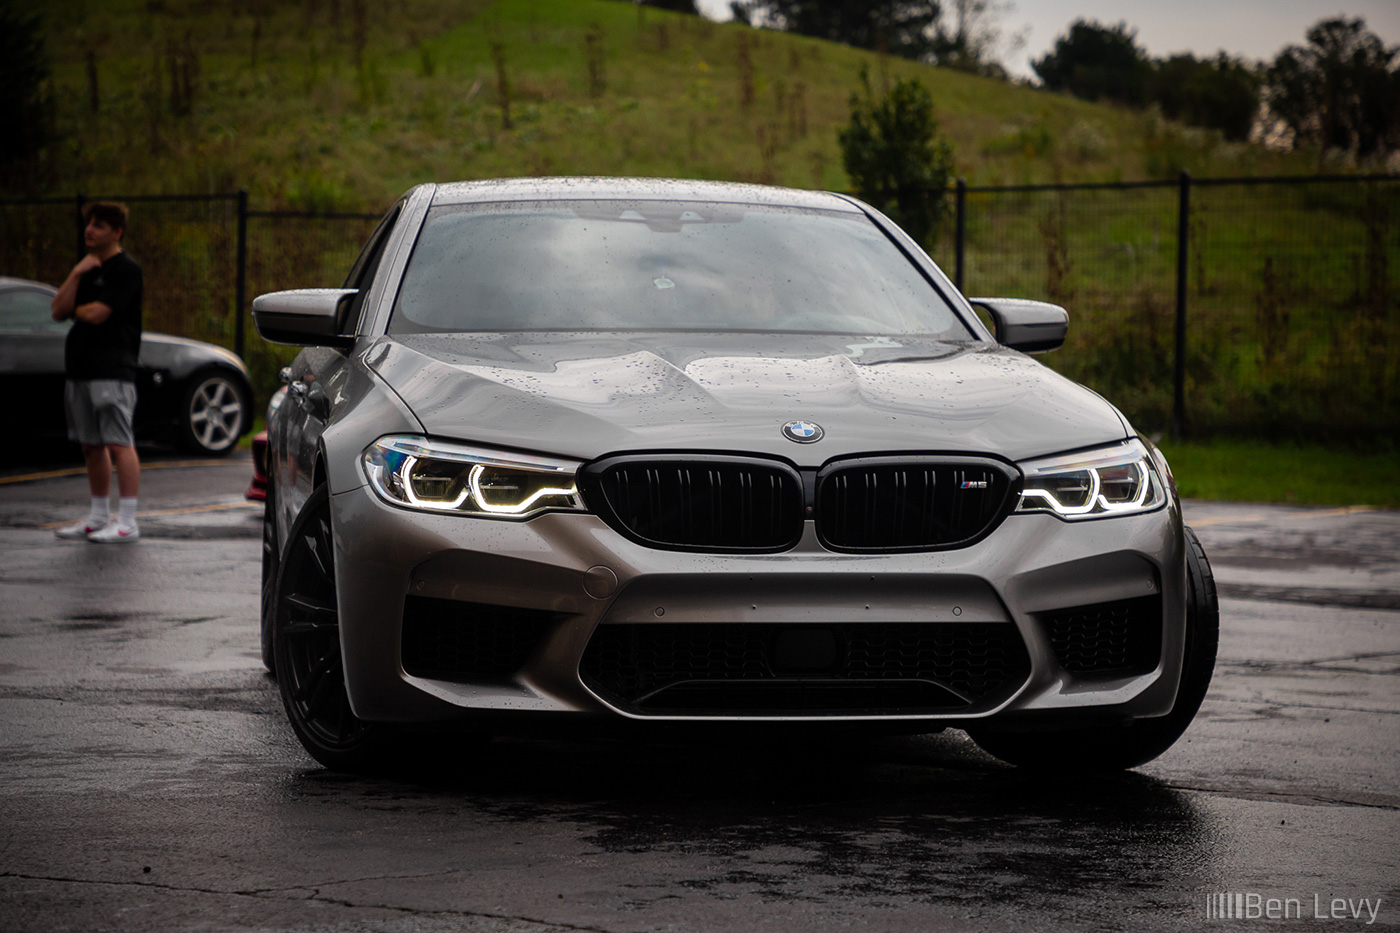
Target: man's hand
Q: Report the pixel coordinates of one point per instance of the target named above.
(87, 262)
(63, 304)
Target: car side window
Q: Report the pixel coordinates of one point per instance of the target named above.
(362, 272)
(27, 311)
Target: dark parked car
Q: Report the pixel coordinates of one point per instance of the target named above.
(707, 454)
(193, 393)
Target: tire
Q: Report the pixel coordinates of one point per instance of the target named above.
(215, 411)
(306, 649)
(1113, 748)
(270, 561)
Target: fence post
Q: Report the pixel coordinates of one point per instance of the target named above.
(960, 233)
(240, 291)
(78, 221)
(1183, 230)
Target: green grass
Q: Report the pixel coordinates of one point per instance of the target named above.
(1247, 471)
(1293, 317)
(286, 103)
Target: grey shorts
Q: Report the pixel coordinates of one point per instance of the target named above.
(100, 411)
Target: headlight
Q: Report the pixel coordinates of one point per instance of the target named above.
(435, 476)
(1118, 480)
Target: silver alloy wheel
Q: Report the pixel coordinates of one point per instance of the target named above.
(215, 414)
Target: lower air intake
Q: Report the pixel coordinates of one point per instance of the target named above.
(1116, 639)
(445, 639)
(739, 669)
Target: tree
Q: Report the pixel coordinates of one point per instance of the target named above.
(1097, 62)
(960, 34)
(1220, 93)
(970, 41)
(901, 27)
(895, 156)
(1341, 90)
(680, 6)
(24, 74)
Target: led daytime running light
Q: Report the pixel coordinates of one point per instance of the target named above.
(392, 466)
(1127, 466)
(474, 482)
(1097, 501)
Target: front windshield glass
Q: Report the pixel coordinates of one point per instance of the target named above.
(662, 265)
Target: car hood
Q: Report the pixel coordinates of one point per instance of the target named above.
(585, 395)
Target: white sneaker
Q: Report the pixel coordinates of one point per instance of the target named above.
(78, 531)
(114, 533)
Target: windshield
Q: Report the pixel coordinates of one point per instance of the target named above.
(661, 265)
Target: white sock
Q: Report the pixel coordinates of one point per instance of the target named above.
(98, 515)
(126, 511)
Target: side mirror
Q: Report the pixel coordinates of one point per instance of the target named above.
(1029, 326)
(304, 317)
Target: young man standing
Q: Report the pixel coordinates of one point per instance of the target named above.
(103, 297)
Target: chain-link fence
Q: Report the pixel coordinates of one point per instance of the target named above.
(295, 250)
(195, 266)
(1289, 288)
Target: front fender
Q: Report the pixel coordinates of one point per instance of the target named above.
(363, 409)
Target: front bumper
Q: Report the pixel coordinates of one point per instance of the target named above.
(568, 574)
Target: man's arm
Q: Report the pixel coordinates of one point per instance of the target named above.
(63, 304)
(94, 312)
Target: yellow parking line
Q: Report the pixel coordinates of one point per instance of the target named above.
(82, 471)
(1345, 510)
(189, 510)
(1259, 517)
(1225, 519)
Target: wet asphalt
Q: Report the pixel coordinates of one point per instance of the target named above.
(148, 780)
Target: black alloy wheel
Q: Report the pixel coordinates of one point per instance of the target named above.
(306, 648)
(214, 413)
(1113, 748)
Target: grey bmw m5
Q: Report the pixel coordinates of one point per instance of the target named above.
(682, 452)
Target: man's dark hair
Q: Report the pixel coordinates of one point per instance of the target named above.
(110, 213)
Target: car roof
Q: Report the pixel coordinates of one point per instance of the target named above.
(6, 282)
(635, 189)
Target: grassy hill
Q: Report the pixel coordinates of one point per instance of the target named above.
(344, 104)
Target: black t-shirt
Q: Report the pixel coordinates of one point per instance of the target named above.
(108, 350)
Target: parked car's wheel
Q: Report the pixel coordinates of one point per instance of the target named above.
(306, 646)
(1112, 748)
(270, 561)
(214, 412)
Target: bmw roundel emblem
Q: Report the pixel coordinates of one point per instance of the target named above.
(803, 432)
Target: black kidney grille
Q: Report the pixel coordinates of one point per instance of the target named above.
(705, 505)
(891, 506)
(756, 668)
(446, 639)
(1118, 638)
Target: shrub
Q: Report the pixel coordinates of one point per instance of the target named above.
(896, 158)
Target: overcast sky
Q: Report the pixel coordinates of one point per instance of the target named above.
(1253, 28)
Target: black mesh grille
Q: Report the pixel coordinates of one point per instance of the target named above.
(450, 640)
(755, 668)
(889, 506)
(1117, 638)
(704, 505)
